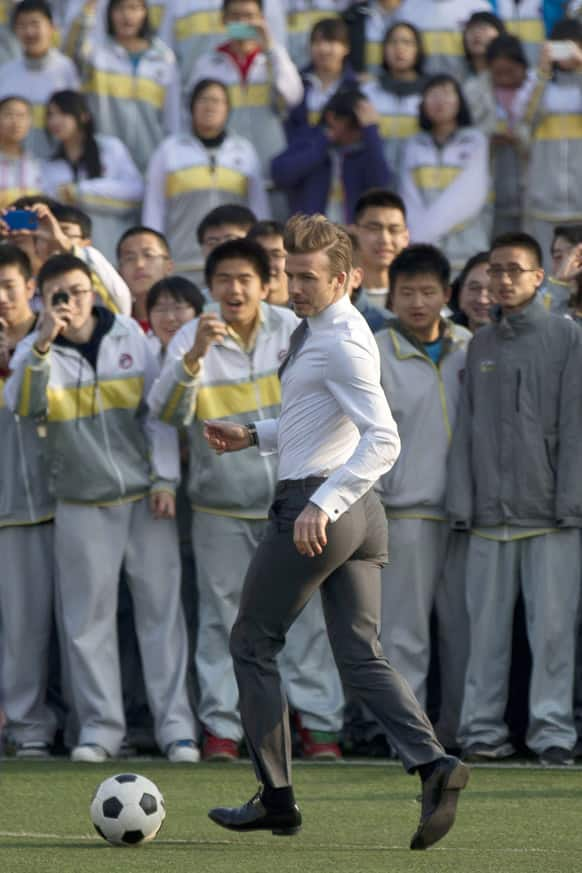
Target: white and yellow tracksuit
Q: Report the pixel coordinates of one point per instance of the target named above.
(139, 105)
(84, 21)
(185, 180)
(302, 15)
(426, 568)
(508, 161)
(258, 102)
(441, 24)
(35, 80)
(524, 19)
(193, 27)
(26, 580)
(105, 457)
(554, 180)
(19, 177)
(398, 111)
(445, 189)
(111, 200)
(231, 495)
(378, 20)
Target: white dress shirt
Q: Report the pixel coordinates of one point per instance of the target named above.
(335, 421)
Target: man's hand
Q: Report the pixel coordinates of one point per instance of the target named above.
(210, 330)
(50, 230)
(163, 504)
(571, 266)
(51, 323)
(264, 37)
(225, 436)
(309, 532)
(366, 113)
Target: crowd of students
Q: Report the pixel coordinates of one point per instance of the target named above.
(173, 140)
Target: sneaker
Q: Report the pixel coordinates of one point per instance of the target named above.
(33, 750)
(320, 745)
(481, 753)
(555, 756)
(219, 749)
(183, 752)
(89, 753)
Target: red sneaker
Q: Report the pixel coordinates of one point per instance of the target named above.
(319, 745)
(219, 749)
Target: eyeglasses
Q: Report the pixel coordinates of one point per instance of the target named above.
(514, 271)
(148, 257)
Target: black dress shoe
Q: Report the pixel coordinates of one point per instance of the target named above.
(440, 794)
(254, 816)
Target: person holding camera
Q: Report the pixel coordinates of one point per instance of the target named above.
(83, 375)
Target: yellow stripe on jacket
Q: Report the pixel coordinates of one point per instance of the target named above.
(220, 401)
(443, 42)
(559, 126)
(9, 195)
(435, 178)
(400, 126)
(373, 54)
(68, 404)
(121, 86)
(302, 22)
(249, 95)
(198, 24)
(203, 178)
(528, 30)
(38, 115)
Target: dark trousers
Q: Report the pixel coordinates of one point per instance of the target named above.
(278, 584)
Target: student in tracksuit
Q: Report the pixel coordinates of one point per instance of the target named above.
(396, 91)
(41, 69)
(20, 171)
(190, 174)
(85, 373)
(441, 24)
(224, 365)
(554, 181)
(301, 17)
(93, 171)
(131, 79)
(515, 487)
(26, 536)
(445, 175)
(262, 81)
(422, 357)
(524, 19)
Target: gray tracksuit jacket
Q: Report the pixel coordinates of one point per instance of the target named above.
(516, 455)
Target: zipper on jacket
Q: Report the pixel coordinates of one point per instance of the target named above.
(24, 468)
(517, 391)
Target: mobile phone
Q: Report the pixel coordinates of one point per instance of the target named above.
(60, 297)
(240, 30)
(562, 49)
(21, 219)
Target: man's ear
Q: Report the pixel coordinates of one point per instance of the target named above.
(448, 292)
(169, 267)
(264, 291)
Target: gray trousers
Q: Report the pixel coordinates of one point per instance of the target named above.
(26, 614)
(277, 587)
(426, 569)
(547, 568)
(92, 543)
(223, 549)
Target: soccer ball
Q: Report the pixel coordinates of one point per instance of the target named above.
(127, 810)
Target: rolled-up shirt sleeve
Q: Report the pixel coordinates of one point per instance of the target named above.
(353, 378)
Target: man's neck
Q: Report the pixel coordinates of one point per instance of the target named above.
(514, 310)
(327, 78)
(375, 277)
(243, 48)
(442, 132)
(81, 335)
(139, 310)
(429, 334)
(133, 44)
(16, 332)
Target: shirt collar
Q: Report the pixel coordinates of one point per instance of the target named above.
(250, 344)
(323, 319)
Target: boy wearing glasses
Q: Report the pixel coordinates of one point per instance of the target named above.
(83, 375)
(515, 486)
(143, 258)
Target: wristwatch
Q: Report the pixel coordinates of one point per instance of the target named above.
(253, 436)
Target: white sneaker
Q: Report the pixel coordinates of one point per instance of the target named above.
(33, 750)
(89, 753)
(183, 752)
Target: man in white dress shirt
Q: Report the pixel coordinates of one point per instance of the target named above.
(335, 437)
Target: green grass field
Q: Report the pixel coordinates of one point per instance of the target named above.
(356, 818)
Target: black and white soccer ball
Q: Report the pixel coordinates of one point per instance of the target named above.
(127, 810)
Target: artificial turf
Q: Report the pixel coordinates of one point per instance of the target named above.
(356, 818)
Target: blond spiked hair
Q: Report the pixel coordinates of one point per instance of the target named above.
(315, 233)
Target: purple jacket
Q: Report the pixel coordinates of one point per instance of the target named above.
(304, 170)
